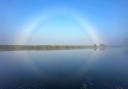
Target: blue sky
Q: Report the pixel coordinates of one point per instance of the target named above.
(109, 17)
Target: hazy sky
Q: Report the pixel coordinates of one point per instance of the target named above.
(110, 18)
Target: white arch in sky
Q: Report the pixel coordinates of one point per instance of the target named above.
(34, 22)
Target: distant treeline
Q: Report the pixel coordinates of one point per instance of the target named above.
(52, 47)
(42, 47)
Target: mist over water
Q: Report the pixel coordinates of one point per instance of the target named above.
(64, 69)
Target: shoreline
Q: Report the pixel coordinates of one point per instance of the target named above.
(52, 47)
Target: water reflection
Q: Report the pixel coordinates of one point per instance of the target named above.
(64, 69)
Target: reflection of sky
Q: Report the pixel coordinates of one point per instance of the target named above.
(109, 16)
(63, 66)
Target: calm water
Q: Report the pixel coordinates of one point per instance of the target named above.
(64, 69)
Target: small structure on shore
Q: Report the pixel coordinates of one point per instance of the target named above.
(102, 45)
